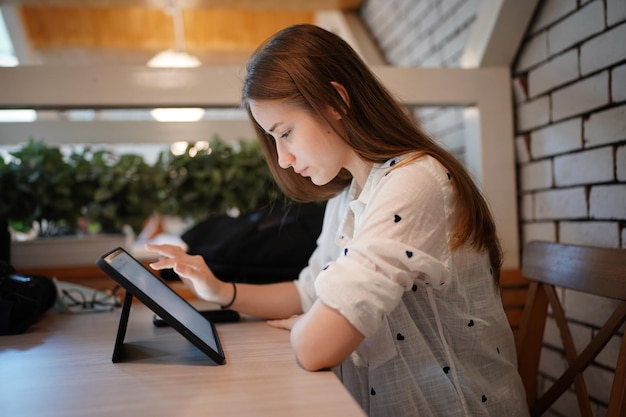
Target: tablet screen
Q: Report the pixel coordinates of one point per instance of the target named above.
(150, 286)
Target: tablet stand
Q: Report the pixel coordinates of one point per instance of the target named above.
(118, 349)
(159, 297)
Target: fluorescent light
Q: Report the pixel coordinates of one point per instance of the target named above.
(183, 114)
(174, 59)
(18, 115)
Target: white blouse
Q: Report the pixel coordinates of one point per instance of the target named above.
(437, 341)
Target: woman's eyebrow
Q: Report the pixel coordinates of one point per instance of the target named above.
(274, 126)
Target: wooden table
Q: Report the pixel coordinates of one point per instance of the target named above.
(62, 367)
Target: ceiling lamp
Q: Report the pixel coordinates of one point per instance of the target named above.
(176, 58)
(173, 59)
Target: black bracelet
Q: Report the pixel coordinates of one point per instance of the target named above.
(234, 296)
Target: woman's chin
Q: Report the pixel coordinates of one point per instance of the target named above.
(319, 182)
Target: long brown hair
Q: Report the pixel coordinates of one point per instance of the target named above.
(299, 65)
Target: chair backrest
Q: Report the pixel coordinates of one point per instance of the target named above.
(591, 270)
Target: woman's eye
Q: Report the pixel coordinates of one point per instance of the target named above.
(284, 135)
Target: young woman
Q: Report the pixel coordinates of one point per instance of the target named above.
(401, 295)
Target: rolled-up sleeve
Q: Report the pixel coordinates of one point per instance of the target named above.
(325, 252)
(399, 241)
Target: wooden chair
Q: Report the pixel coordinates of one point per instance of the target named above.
(592, 270)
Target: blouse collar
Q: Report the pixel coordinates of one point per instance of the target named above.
(358, 198)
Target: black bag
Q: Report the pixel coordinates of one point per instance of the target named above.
(22, 299)
(5, 240)
(272, 244)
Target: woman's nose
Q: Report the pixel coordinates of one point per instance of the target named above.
(285, 158)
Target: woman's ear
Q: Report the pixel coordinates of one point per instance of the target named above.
(342, 92)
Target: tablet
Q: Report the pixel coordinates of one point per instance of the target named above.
(140, 282)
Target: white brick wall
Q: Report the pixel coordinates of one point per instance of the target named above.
(556, 72)
(581, 335)
(603, 50)
(533, 114)
(551, 334)
(615, 11)
(442, 121)
(572, 66)
(556, 139)
(452, 49)
(566, 406)
(608, 356)
(552, 11)
(620, 160)
(577, 27)
(520, 93)
(552, 363)
(527, 207)
(604, 234)
(583, 96)
(618, 84)
(536, 51)
(521, 149)
(536, 175)
(421, 32)
(606, 127)
(598, 382)
(607, 202)
(545, 231)
(586, 167)
(567, 203)
(586, 308)
(425, 33)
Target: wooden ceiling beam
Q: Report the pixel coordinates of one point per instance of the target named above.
(142, 28)
(273, 5)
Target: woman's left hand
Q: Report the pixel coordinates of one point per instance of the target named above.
(286, 324)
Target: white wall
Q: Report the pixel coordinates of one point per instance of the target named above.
(570, 99)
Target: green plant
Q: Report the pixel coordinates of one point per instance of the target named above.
(88, 166)
(125, 193)
(5, 184)
(248, 183)
(203, 182)
(38, 186)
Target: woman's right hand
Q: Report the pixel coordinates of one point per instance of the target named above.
(193, 271)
